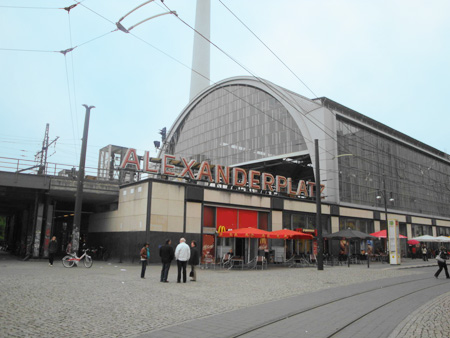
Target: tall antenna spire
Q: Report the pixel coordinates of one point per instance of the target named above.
(201, 53)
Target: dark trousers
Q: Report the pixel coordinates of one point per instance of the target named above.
(193, 273)
(51, 257)
(165, 271)
(144, 267)
(442, 265)
(181, 266)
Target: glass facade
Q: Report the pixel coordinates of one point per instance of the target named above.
(236, 124)
(443, 231)
(420, 230)
(372, 164)
(363, 225)
(293, 220)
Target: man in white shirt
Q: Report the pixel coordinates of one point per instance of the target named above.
(182, 255)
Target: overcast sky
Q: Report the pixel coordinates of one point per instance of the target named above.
(388, 60)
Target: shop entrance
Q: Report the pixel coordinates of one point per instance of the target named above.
(240, 247)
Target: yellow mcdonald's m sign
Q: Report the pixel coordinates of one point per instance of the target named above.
(221, 229)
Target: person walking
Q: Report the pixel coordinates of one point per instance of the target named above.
(441, 258)
(424, 252)
(182, 255)
(413, 252)
(52, 249)
(145, 255)
(167, 254)
(193, 261)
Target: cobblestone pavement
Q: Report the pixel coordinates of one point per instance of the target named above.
(111, 300)
(431, 320)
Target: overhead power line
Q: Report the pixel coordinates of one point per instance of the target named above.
(273, 53)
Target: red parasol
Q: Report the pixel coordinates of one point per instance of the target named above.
(226, 234)
(289, 234)
(413, 242)
(382, 234)
(245, 233)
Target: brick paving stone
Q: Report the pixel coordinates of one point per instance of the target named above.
(430, 320)
(110, 300)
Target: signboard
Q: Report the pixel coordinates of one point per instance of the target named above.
(315, 248)
(394, 242)
(204, 171)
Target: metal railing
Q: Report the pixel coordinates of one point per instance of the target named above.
(16, 165)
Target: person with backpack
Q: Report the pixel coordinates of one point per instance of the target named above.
(441, 258)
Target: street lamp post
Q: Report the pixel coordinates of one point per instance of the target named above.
(80, 179)
(318, 211)
(382, 194)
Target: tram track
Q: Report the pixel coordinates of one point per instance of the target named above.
(339, 330)
(381, 306)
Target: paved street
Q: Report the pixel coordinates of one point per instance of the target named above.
(111, 300)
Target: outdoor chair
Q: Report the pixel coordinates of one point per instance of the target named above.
(290, 261)
(208, 261)
(251, 264)
(227, 262)
(261, 261)
(299, 261)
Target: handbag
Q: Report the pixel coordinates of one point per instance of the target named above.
(439, 258)
(191, 274)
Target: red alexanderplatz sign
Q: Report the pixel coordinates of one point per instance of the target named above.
(218, 174)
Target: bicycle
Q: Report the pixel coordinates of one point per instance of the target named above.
(71, 259)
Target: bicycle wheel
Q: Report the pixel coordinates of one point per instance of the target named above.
(88, 261)
(67, 262)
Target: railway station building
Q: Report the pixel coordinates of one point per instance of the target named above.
(242, 154)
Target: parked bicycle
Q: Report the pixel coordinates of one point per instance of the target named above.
(100, 253)
(71, 259)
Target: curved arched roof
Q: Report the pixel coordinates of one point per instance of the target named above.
(244, 119)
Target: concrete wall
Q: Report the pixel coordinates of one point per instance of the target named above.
(175, 210)
(131, 213)
(167, 207)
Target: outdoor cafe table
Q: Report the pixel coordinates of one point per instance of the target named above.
(236, 261)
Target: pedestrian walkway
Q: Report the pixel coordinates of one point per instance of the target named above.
(242, 321)
(430, 320)
(110, 299)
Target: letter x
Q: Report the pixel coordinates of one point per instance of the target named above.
(187, 168)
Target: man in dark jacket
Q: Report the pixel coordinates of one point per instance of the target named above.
(52, 249)
(194, 260)
(167, 254)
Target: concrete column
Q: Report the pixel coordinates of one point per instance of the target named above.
(48, 228)
(38, 230)
(409, 230)
(334, 224)
(376, 226)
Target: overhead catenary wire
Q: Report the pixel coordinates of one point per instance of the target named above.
(184, 64)
(74, 129)
(294, 105)
(107, 33)
(112, 31)
(279, 59)
(284, 64)
(337, 141)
